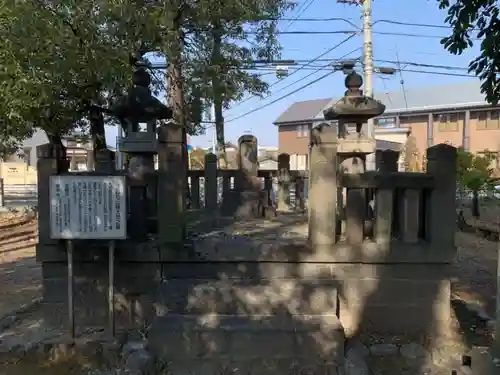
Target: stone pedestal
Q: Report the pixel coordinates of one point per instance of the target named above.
(250, 205)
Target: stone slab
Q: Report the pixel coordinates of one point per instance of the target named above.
(356, 146)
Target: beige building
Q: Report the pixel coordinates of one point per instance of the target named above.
(455, 114)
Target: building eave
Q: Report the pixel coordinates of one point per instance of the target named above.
(436, 108)
(290, 123)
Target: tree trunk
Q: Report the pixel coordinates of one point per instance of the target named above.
(97, 131)
(219, 119)
(56, 139)
(176, 93)
(475, 204)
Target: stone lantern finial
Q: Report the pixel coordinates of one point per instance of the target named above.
(353, 83)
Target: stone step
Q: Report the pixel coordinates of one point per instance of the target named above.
(252, 344)
(247, 296)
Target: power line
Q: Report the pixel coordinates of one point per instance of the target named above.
(350, 22)
(280, 98)
(300, 11)
(308, 32)
(332, 61)
(413, 24)
(392, 22)
(328, 67)
(321, 68)
(402, 81)
(324, 76)
(303, 67)
(440, 73)
(413, 63)
(423, 65)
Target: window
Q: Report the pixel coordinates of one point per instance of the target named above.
(481, 120)
(386, 122)
(488, 120)
(303, 131)
(302, 162)
(493, 123)
(447, 122)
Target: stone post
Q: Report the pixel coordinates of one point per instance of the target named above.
(323, 188)
(139, 170)
(249, 185)
(210, 182)
(441, 211)
(50, 162)
(195, 192)
(247, 161)
(388, 161)
(284, 180)
(384, 201)
(171, 197)
(104, 161)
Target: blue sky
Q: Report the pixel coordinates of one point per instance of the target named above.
(427, 50)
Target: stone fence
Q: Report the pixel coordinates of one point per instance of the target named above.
(374, 259)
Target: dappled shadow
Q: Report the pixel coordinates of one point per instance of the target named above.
(20, 284)
(20, 275)
(246, 299)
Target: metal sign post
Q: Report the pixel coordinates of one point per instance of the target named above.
(111, 289)
(88, 207)
(71, 288)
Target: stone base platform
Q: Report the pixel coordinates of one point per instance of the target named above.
(262, 268)
(249, 345)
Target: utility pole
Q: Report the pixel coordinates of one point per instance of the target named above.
(368, 67)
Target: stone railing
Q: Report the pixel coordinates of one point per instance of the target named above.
(207, 189)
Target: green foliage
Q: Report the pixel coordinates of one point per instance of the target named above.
(58, 59)
(62, 58)
(477, 19)
(247, 32)
(474, 170)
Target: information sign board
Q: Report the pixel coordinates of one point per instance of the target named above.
(88, 207)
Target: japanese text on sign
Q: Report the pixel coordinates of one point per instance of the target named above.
(88, 207)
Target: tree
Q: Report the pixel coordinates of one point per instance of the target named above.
(65, 64)
(228, 36)
(474, 172)
(197, 158)
(411, 155)
(477, 19)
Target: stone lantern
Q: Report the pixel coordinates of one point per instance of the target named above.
(137, 107)
(354, 108)
(352, 148)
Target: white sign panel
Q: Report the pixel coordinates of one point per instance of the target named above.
(88, 207)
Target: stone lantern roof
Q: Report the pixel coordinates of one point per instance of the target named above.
(354, 107)
(139, 105)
